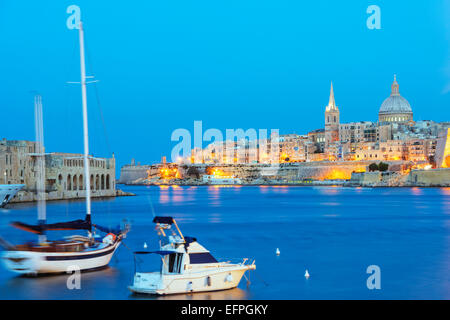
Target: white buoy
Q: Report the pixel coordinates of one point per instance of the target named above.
(306, 274)
(145, 245)
(277, 252)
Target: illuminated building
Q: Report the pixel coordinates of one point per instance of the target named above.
(442, 157)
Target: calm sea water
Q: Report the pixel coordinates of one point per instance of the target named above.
(335, 233)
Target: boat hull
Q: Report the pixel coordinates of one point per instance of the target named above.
(212, 280)
(40, 263)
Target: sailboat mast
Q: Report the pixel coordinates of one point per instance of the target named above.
(40, 181)
(87, 181)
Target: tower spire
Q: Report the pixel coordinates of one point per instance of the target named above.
(331, 102)
(331, 120)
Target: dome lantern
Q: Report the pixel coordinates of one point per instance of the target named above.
(394, 87)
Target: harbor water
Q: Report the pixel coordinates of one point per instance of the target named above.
(335, 233)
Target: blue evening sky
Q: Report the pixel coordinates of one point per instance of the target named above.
(230, 63)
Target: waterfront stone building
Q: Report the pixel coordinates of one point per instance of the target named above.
(65, 175)
(16, 164)
(64, 172)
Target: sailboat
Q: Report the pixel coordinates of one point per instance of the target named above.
(74, 252)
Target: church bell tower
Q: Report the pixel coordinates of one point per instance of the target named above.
(331, 120)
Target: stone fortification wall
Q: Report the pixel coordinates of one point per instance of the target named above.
(130, 173)
(318, 170)
(429, 178)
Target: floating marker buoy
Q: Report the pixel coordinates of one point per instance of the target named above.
(145, 245)
(306, 274)
(278, 252)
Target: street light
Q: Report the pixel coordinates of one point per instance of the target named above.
(5, 175)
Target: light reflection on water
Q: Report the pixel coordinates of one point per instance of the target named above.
(335, 233)
(445, 191)
(417, 191)
(231, 294)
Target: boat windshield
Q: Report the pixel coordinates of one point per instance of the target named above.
(175, 261)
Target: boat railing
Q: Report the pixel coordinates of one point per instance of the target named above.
(244, 261)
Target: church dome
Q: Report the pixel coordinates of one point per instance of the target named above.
(395, 108)
(395, 104)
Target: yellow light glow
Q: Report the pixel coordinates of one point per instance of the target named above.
(219, 173)
(167, 173)
(336, 174)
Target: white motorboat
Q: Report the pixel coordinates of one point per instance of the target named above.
(73, 253)
(186, 266)
(7, 192)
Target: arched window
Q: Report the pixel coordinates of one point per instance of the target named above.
(92, 182)
(103, 182)
(97, 182)
(75, 180)
(69, 182)
(60, 179)
(80, 182)
(107, 182)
